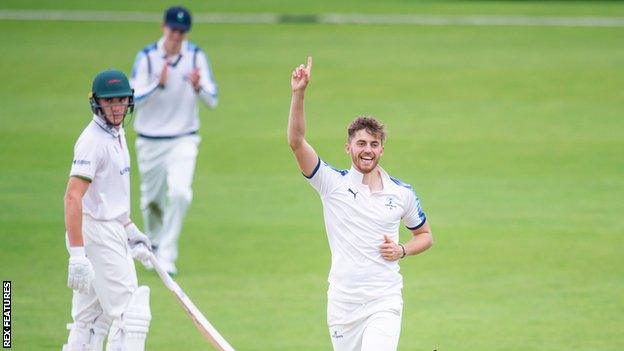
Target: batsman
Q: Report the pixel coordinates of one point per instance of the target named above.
(101, 239)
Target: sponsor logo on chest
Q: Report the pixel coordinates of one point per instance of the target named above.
(353, 192)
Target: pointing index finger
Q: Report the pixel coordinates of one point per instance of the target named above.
(309, 65)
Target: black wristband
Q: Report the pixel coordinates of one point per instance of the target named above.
(403, 248)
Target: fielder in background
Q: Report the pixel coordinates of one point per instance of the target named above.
(362, 207)
(169, 77)
(101, 238)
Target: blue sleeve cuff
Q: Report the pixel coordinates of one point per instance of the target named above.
(418, 226)
(318, 164)
(150, 92)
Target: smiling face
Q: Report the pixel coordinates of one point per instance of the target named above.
(365, 150)
(366, 136)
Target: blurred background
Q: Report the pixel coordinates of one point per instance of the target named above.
(505, 116)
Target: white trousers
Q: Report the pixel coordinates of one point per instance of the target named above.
(166, 167)
(106, 247)
(371, 326)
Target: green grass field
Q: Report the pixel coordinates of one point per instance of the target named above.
(512, 137)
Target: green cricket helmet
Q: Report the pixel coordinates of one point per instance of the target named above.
(110, 84)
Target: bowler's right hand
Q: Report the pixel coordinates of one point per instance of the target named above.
(80, 272)
(301, 77)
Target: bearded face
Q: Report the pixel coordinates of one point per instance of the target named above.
(365, 150)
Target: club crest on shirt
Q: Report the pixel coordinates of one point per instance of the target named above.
(390, 204)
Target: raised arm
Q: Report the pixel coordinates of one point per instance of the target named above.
(306, 157)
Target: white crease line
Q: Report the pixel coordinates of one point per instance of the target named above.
(272, 18)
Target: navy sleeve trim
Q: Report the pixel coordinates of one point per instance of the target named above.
(195, 51)
(343, 172)
(141, 97)
(418, 226)
(318, 165)
(399, 182)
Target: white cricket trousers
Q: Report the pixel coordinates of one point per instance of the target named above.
(166, 167)
(106, 247)
(370, 326)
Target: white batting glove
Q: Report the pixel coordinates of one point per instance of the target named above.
(141, 253)
(140, 244)
(135, 236)
(80, 272)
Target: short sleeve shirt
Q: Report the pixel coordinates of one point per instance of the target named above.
(101, 156)
(356, 220)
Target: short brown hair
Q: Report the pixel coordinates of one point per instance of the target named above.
(372, 126)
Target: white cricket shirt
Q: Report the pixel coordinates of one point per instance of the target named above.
(356, 221)
(101, 156)
(170, 111)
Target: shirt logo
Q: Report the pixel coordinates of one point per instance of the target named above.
(82, 162)
(124, 171)
(390, 204)
(335, 335)
(354, 193)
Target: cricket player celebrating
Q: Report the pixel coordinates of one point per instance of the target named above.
(169, 77)
(101, 238)
(362, 207)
